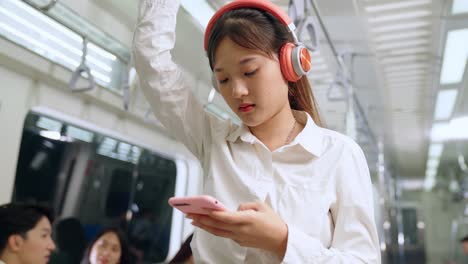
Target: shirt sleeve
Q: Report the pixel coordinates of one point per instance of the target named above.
(355, 238)
(161, 80)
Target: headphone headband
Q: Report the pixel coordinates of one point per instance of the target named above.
(258, 4)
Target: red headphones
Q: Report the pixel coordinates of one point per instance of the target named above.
(295, 59)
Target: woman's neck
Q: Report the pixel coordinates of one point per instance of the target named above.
(278, 131)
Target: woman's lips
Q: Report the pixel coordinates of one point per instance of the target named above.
(246, 107)
(103, 260)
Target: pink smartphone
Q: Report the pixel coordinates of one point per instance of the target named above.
(202, 204)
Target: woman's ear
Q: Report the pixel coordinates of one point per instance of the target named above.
(15, 242)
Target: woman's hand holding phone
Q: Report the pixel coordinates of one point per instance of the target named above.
(255, 225)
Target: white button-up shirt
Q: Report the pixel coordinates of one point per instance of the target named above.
(319, 183)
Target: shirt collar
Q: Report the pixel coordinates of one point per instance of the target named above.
(1, 262)
(243, 132)
(310, 138)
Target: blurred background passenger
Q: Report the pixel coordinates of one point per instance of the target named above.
(25, 234)
(184, 255)
(108, 247)
(71, 242)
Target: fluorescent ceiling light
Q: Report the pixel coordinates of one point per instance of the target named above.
(435, 150)
(401, 238)
(47, 20)
(108, 143)
(101, 52)
(405, 67)
(62, 43)
(421, 225)
(445, 103)
(417, 85)
(37, 32)
(412, 184)
(405, 73)
(429, 182)
(459, 6)
(408, 80)
(123, 149)
(432, 163)
(455, 130)
(459, 128)
(79, 133)
(455, 56)
(400, 16)
(407, 51)
(431, 172)
(400, 26)
(440, 132)
(406, 58)
(383, 246)
(54, 135)
(402, 35)
(49, 124)
(396, 5)
(41, 48)
(402, 44)
(101, 76)
(386, 225)
(44, 33)
(199, 9)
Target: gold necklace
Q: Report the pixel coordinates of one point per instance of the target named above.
(291, 132)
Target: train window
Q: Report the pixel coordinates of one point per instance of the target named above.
(410, 229)
(100, 180)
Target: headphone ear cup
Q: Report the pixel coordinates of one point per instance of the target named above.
(301, 60)
(286, 63)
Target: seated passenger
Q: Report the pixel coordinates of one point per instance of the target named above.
(184, 255)
(25, 234)
(71, 242)
(464, 243)
(108, 247)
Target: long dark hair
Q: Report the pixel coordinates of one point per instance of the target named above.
(258, 30)
(124, 256)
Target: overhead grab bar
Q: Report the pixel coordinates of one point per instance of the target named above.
(307, 25)
(300, 12)
(340, 84)
(45, 7)
(49, 5)
(125, 82)
(82, 68)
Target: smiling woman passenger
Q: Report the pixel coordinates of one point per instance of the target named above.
(108, 247)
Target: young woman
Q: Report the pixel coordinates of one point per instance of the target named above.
(109, 247)
(303, 193)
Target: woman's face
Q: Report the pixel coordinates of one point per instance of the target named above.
(106, 250)
(250, 82)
